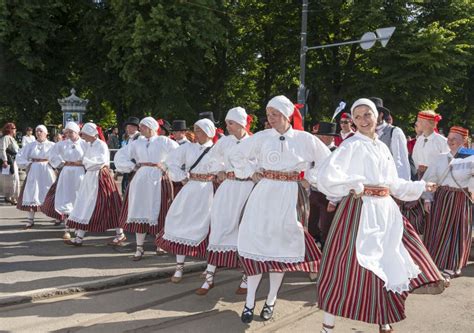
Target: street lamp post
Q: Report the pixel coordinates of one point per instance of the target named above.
(366, 42)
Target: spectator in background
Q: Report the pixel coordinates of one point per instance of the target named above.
(28, 137)
(58, 137)
(346, 129)
(113, 141)
(9, 175)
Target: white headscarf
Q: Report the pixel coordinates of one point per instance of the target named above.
(283, 105)
(366, 102)
(151, 123)
(207, 126)
(90, 129)
(238, 115)
(73, 127)
(42, 128)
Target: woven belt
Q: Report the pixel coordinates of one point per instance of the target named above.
(283, 176)
(456, 189)
(38, 160)
(148, 164)
(231, 176)
(201, 177)
(376, 191)
(72, 164)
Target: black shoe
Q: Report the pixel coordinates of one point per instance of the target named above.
(267, 312)
(247, 315)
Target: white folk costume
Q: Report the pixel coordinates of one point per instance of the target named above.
(189, 217)
(26, 139)
(150, 191)
(98, 203)
(67, 156)
(40, 175)
(448, 232)
(9, 176)
(271, 233)
(227, 206)
(373, 256)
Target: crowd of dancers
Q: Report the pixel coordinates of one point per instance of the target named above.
(369, 218)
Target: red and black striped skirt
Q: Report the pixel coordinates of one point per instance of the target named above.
(448, 231)
(167, 196)
(413, 211)
(106, 214)
(347, 289)
(229, 259)
(48, 207)
(198, 251)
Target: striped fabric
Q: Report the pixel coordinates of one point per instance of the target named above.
(414, 213)
(448, 233)
(48, 204)
(166, 200)
(229, 259)
(310, 264)
(348, 290)
(198, 251)
(106, 214)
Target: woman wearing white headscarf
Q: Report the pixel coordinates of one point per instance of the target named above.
(271, 235)
(149, 191)
(187, 222)
(98, 203)
(373, 257)
(66, 156)
(40, 175)
(228, 201)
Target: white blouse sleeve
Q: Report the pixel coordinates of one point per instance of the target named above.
(175, 160)
(433, 174)
(23, 156)
(318, 153)
(217, 157)
(244, 158)
(123, 159)
(400, 153)
(100, 157)
(55, 155)
(334, 178)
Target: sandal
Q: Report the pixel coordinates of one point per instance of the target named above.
(139, 254)
(247, 315)
(118, 240)
(160, 251)
(267, 312)
(76, 241)
(240, 290)
(179, 268)
(381, 330)
(30, 224)
(326, 328)
(210, 282)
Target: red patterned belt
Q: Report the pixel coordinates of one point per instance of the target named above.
(231, 176)
(74, 164)
(376, 191)
(283, 176)
(39, 160)
(201, 177)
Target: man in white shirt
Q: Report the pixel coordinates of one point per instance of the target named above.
(394, 138)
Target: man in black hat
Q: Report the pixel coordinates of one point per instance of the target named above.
(131, 130)
(178, 130)
(208, 115)
(321, 210)
(394, 138)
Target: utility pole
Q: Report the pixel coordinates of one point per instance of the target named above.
(302, 88)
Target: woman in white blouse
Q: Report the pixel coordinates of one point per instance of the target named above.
(373, 257)
(40, 175)
(271, 235)
(448, 231)
(187, 222)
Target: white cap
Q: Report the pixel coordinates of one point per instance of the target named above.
(42, 128)
(90, 129)
(238, 115)
(207, 126)
(283, 105)
(73, 127)
(151, 123)
(367, 102)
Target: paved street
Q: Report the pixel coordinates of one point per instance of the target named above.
(107, 292)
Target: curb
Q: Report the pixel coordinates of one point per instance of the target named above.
(115, 281)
